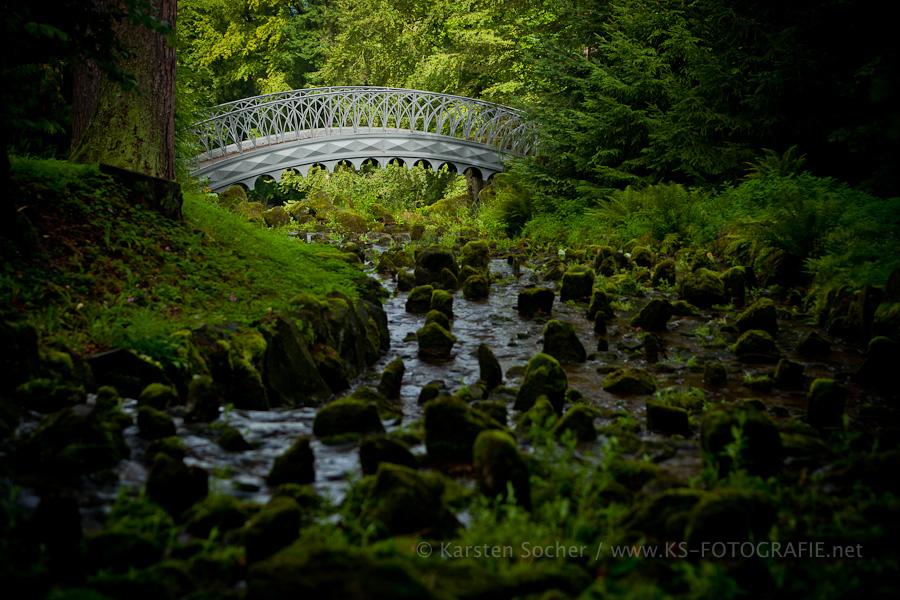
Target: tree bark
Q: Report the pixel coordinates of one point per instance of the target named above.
(131, 129)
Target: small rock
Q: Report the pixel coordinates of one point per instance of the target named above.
(533, 300)
(825, 403)
(543, 377)
(670, 420)
(654, 315)
(562, 343)
(295, 465)
(629, 381)
(498, 464)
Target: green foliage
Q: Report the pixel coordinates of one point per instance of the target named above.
(120, 275)
(232, 49)
(653, 212)
(395, 187)
(808, 225)
(470, 48)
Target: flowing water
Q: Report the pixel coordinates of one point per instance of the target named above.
(514, 340)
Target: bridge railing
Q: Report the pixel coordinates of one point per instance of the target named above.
(247, 124)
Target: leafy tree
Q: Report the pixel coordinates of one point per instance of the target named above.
(234, 49)
(690, 91)
(470, 47)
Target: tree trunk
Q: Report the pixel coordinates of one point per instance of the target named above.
(131, 129)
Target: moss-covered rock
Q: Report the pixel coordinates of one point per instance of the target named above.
(562, 343)
(288, 369)
(879, 368)
(629, 381)
(296, 465)
(126, 371)
(276, 217)
(46, 395)
(489, 370)
(331, 367)
(72, 442)
(203, 400)
(442, 301)
(432, 390)
(600, 306)
(756, 346)
(642, 256)
(577, 284)
(530, 301)
(813, 345)
(172, 447)
(825, 403)
(419, 299)
(758, 447)
(392, 378)
(714, 373)
(449, 281)
(436, 316)
(159, 396)
(233, 196)
(435, 341)
(553, 269)
(495, 409)
(670, 420)
(476, 287)
(402, 501)
(654, 315)
(350, 221)
(272, 528)
(377, 449)
(735, 281)
(543, 377)
(154, 424)
(732, 516)
(232, 440)
(347, 416)
(762, 314)
(580, 421)
(451, 427)
(174, 485)
(788, 374)
(663, 273)
(475, 254)
(433, 260)
(381, 214)
(220, 511)
(498, 464)
(541, 414)
(703, 289)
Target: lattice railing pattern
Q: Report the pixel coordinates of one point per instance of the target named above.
(247, 124)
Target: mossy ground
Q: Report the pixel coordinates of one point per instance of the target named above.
(100, 273)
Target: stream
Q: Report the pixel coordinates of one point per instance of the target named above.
(514, 340)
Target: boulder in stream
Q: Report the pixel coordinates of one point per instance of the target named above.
(533, 300)
(543, 377)
(562, 343)
(498, 465)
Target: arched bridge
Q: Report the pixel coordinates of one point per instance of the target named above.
(267, 135)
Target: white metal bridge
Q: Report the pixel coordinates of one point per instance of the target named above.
(266, 135)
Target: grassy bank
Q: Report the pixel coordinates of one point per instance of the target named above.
(97, 272)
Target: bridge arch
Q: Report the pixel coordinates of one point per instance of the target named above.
(267, 135)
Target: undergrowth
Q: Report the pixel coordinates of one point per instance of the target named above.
(101, 273)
